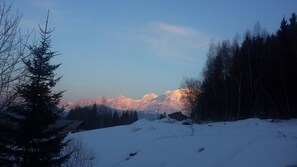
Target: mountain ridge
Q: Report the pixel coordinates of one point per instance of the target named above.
(168, 102)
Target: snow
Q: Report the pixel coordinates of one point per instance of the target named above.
(245, 143)
(168, 103)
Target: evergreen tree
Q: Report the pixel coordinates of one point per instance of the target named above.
(39, 143)
(125, 118)
(255, 78)
(115, 119)
(107, 118)
(163, 115)
(135, 116)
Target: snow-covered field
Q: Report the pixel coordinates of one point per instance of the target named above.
(249, 143)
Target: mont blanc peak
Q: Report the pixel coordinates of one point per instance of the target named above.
(149, 97)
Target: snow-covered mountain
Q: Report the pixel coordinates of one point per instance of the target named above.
(168, 102)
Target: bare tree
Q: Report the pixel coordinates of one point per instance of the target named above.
(81, 155)
(190, 95)
(12, 73)
(12, 53)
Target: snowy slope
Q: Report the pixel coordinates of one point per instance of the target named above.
(168, 102)
(247, 143)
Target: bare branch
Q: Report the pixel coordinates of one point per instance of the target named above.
(12, 54)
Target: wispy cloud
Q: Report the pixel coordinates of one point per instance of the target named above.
(173, 29)
(178, 43)
(175, 41)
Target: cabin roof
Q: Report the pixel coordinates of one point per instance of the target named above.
(70, 125)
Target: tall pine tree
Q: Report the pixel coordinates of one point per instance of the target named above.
(40, 143)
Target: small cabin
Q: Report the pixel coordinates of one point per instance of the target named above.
(69, 125)
(179, 116)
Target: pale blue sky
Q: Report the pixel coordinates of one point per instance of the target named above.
(133, 47)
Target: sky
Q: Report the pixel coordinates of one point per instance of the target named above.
(134, 47)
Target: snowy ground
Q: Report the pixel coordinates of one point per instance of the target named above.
(249, 143)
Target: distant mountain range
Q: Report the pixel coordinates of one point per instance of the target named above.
(168, 102)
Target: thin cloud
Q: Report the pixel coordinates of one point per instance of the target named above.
(175, 41)
(178, 43)
(173, 29)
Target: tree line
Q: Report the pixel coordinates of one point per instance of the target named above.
(100, 116)
(253, 78)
